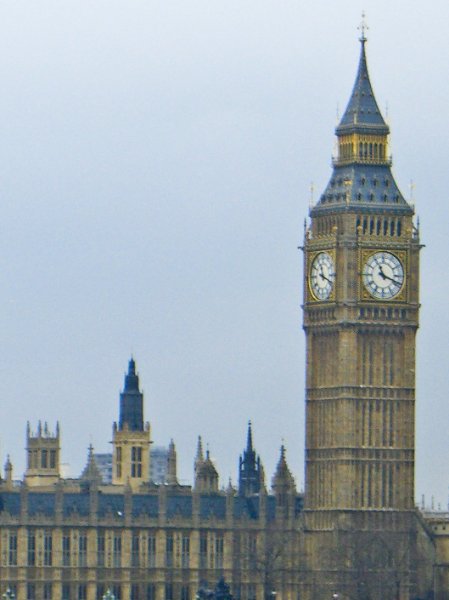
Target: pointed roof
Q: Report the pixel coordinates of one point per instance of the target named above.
(199, 451)
(131, 378)
(362, 113)
(283, 476)
(249, 440)
(91, 472)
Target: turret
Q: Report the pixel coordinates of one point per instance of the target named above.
(131, 436)
(171, 476)
(91, 474)
(43, 449)
(249, 468)
(283, 483)
(206, 476)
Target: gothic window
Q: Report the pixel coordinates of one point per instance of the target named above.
(44, 461)
(117, 591)
(185, 551)
(12, 549)
(117, 550)
(151, 592)
(100, 549)
(135, 550)
(82, 591)
(48, 549)
(47, 591)
(151, 551)
(136, 461)
(100, 591)
(168, 591)
(31, 548)
(185, 592)
(65, 591)
(135, 592)
(66, 550)
(82, 550)
(31, 591)
(203, 550)
(169, 550)
(52, 459)
(219, 545)
(119, 462)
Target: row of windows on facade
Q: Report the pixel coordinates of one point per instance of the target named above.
(47, 591)
(74, 551)
(136, 461)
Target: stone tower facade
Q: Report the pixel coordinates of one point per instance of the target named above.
(43, 449)
(361, 304)
(131, 436)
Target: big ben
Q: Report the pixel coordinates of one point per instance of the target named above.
(361, 305)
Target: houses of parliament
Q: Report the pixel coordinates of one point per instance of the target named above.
(355, 533)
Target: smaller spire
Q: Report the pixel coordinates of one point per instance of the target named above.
(249, 441)
(91, 472)
(171, 477)
(199, 450)
(8, 471)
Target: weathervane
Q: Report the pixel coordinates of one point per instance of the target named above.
(362, 28)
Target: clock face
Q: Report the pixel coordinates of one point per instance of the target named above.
(322, 276)
(383, 275)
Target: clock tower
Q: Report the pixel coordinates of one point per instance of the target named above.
(361, 304)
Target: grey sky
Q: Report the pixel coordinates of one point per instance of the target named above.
(155, 165)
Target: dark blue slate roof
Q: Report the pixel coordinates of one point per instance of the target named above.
(179, 505)
(145, 506)
(111, 503)
(211, 506)
(75, 503)
(364, 188)
(10, 503)
(362, 112)
(41, 504)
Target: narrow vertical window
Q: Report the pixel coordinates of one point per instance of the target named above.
(203, 550)
(100, 549)
(185, 551)
(169, 550)
(118, 465)
(66, 550)
(47, 591)
(12, 549)
(82, 550)
(48, 549)
(31, 548)
(135, 550)
(151, 551)
(117, 551)
(219, 546)
(136, 461)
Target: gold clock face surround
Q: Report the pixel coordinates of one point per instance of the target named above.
(383, 275)
(322, 276)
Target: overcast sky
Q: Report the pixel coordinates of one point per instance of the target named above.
(155, 167)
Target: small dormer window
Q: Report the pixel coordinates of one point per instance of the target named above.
(362, 181)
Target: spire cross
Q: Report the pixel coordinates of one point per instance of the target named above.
(363, 27)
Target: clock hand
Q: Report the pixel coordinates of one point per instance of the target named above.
(384, 276)
(323, 276)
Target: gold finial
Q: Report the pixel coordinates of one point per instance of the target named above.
(312, 192)
(363, 27)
